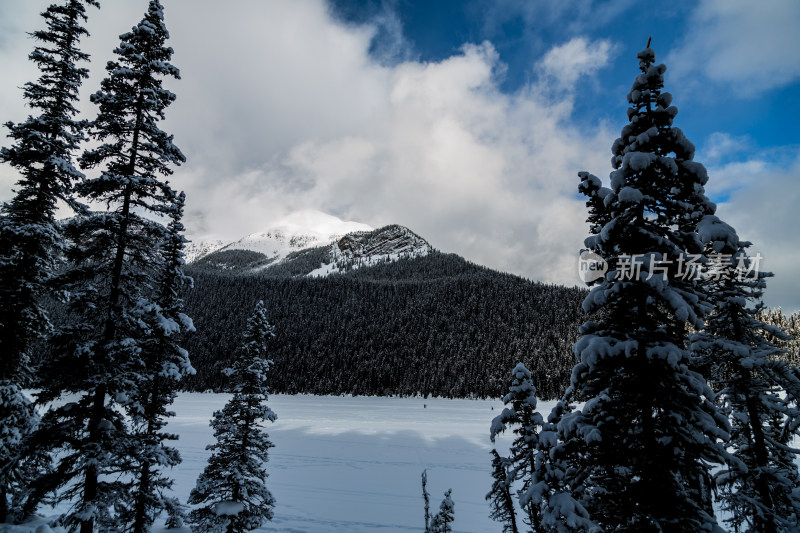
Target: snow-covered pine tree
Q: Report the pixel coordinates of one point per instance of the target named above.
(231, 490)
(522, 415)
(20, 461)
(759, 390)
(638, 452)
(163, 363)
(443, 521)
(113, 259)
(30, 239)
(535, 462)
(502, 502)
(789, 324)
(553, 487)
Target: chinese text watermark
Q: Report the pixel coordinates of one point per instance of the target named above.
(711, 267)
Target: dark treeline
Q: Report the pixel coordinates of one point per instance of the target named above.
(436, 325)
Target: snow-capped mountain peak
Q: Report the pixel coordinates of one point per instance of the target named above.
(310, 243)
(300, 230)
(326, 227)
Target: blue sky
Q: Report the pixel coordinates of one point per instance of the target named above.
(521, 32)
(466, 121)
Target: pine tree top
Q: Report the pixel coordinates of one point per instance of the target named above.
(43, 144)
(655, 212)
(251, 366)
(132, 101)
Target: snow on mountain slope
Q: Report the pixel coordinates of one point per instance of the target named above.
(298, 231)
(196, 250)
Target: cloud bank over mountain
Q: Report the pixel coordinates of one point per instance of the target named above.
(284, 107)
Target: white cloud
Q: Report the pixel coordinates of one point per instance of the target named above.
(720, 146)
(282, 109)
(762, 204)
(748, 45)
(576, 58)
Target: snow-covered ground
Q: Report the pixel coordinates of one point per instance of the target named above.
(353, 464)
(344, 464)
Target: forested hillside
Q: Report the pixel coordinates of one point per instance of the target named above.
(434, 325)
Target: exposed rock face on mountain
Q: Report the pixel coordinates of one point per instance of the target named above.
(299, 231)
(387, 241)
(369, 248)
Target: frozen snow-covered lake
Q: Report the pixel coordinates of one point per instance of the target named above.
(353, 464)
(344, 464)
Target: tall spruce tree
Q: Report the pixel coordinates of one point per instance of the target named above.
(639, 452)
(534, 463)
(114, 259)
(163, 362)
(30, 239)
(500, 496)
(758, 389)
(522, 415)
(231, 490)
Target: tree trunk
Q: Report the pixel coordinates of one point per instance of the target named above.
(90, 476)
(3, 502)
(90, 479)
(765, 524)
(140, 522)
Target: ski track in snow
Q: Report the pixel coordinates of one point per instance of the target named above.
(353, 464)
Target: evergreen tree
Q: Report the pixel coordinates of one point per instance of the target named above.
(231, 489)
(500, 496)
(20, 462)
(638, 453)
(442, 522)
(522, 415)
(554, 487)
(791, 326)
(162, 365)
(30, 240)
(114, 257)
(760, 486)
(535, 462)
(427, 498)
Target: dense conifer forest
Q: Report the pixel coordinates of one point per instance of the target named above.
(435, 325)
(683, 407)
